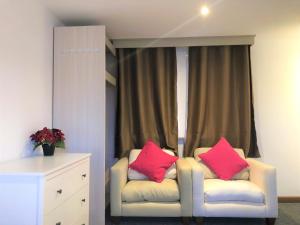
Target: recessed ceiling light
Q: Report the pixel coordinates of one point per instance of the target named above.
(204, 10)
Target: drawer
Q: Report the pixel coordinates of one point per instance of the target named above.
(82, 221)
(71, 211)
(64, 184)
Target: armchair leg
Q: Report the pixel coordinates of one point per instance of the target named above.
(199, 220)
(270, 221)
(185, 220)
(116, 220)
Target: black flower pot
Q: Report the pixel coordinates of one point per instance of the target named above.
(48, 149)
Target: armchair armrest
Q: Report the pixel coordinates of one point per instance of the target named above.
(184, 173)
(117, 183)
(264, 176)
(198, 187)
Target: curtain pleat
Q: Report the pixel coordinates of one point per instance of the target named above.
(220, 98)
(147, 99)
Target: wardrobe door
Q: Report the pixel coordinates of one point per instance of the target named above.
(79, 101)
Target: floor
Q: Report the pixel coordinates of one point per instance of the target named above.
(289, 214)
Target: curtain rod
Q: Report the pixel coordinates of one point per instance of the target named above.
(184, 41)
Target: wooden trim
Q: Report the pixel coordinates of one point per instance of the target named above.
(110, 46)
(111, 79)
(184, 42)
(289, 199)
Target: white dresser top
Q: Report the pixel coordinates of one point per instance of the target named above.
(40, 165)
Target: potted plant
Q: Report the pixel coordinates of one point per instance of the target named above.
(48, 139)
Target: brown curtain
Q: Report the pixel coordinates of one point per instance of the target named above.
(220, 98)
(147, 100)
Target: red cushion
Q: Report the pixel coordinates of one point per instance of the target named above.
(223, 160)
(153, 162)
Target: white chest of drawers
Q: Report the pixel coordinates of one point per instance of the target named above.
(45, 190)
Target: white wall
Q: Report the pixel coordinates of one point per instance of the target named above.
(26, 49)
(276, 87)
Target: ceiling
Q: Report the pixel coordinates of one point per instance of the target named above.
(176, 18)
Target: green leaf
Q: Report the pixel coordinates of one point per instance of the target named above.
(36, 145)
(60, 144)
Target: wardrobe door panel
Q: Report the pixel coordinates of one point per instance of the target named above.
(79, 101)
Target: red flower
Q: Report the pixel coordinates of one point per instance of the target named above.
(48, 136)
(58, 135)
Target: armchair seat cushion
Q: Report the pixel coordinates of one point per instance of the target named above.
(144, 190)
(216, 190)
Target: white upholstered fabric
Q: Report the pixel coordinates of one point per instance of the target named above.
(182, 207)
(209, 174)
(261, 174)
(143, 190)
(198, 187)
(185, 183)
(234, 209)
(264, 176)
(135, 175)
(152, 209)
(118, 181)
(216, 190)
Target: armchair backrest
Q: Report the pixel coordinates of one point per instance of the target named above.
(171, 173)
(209, 174)
(205, 149)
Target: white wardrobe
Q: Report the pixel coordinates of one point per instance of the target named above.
(82, 85)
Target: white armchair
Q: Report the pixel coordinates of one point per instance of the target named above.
(255, 197)
(143, 198)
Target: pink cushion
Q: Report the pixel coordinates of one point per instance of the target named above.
(223, 160)
(153, 162)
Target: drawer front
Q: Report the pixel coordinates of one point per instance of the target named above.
(66, 182)
(70, 211)
(82, 221)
